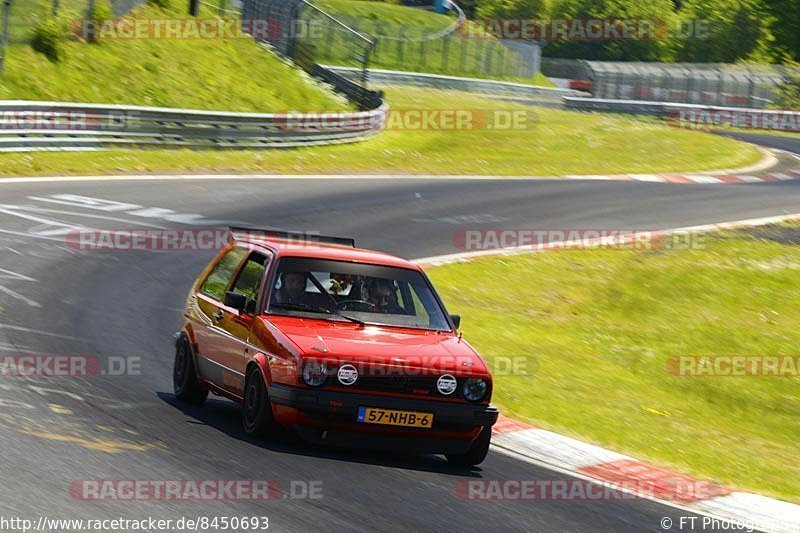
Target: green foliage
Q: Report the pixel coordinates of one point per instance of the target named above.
(511, 9)
(738, 29)
(789, 91)
(656, 49)
(49, 37)
(163, 4)
(786, 17)
(231, 75)
(103, 9)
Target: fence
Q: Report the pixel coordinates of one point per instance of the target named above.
(307, 34)
(454, 50)
(751, 86)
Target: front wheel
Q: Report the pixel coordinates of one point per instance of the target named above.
(476, 453)
(257, 416)
(184, 376)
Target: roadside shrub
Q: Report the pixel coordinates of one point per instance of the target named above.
(163, 4)
(49, 36)
(789, 91)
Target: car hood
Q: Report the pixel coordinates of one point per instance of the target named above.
(381, 345)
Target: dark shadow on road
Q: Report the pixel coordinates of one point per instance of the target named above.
(225, 416)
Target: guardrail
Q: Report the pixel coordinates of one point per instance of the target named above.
(440, 81)
(694, 115)
(28, 126)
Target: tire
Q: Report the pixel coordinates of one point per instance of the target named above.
(257, 416)
(184, 377)
(476, 453)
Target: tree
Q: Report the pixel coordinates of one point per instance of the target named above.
(788, 96)
(786, 17)
(652, 49)
(737, 29)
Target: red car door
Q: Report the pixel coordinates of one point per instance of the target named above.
(235, 326)
(213, 341)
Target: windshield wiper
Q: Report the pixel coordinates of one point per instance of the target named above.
(316, 309)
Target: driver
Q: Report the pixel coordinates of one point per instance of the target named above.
(293, 288)
(384, 297)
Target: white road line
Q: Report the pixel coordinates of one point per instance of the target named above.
(80, 214)
(30, 235)
(38, 332)
(60, 227)
(15, 275)
(20, 297)
(13, 250)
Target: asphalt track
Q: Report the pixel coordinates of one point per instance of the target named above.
(57, 300)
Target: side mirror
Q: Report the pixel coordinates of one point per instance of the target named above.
(456, 320)
(235, 301)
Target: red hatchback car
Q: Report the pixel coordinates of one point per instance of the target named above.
(350, 347)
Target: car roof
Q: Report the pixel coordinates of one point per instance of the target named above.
(318, 250)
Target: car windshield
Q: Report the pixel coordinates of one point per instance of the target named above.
(372, 294)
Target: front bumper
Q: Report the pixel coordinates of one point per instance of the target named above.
(331, 418)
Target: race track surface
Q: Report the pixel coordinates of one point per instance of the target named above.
(57, 300)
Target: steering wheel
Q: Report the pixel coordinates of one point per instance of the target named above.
(343, 305)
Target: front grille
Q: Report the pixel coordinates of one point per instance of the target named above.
(424, 385)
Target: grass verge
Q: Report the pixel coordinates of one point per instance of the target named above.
(599, 326)
(214, 74)
(557, 142)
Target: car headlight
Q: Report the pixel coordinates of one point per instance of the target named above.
(315, 373)
(475, 389)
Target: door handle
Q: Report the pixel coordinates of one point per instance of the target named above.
(218, 315)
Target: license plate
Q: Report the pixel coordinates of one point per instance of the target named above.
(391, 417)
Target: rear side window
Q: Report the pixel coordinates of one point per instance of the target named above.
(216, 282)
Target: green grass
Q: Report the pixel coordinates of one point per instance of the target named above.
(558, 142)
(388, 14)
(597, 328)
(455, 56)
(231, 75)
